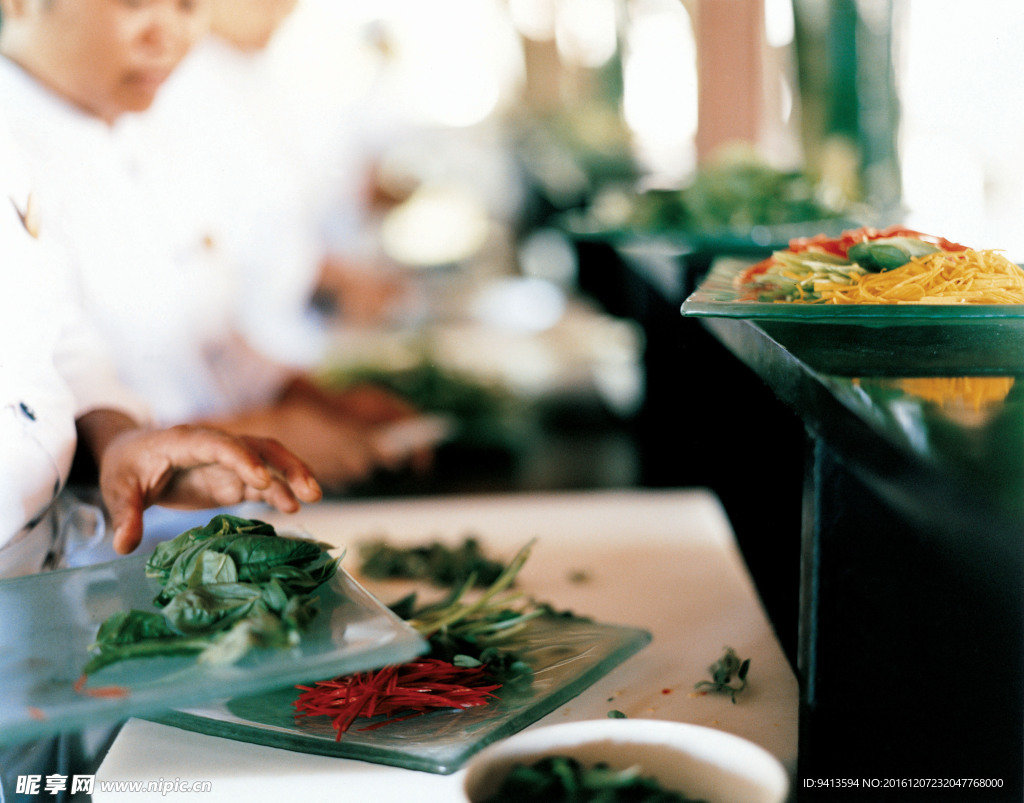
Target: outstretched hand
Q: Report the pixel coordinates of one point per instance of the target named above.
(377, 412)
(195, 467)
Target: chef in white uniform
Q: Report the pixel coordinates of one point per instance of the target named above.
(154, 284)
(54, 374)
(133, 256)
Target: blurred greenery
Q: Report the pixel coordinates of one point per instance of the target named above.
(735, 194)
(485, 415)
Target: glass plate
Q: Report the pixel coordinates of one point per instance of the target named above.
(567, 656)
(718, 297)
(50, 620)
(757, 241)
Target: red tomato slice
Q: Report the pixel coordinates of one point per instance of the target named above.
(839, 246)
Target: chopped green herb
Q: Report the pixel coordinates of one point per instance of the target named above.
(728, 675)
(616, 714)
(436, 563)
(464, 629)
(563, 779)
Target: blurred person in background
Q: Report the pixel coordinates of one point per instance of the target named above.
(270, 117)
(74, 81)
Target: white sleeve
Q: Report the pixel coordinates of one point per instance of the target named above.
(80, 354)
(37, 427)
(81, 361)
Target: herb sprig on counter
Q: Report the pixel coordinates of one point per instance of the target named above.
(227, 587)
(436, 562)
(728, 675)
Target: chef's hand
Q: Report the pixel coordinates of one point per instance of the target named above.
(195, 467)
(344, 437)
(365, 403)
(365, 295)
(339, 449)
(367, 415)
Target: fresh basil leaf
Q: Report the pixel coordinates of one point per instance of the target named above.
(210, 608)
(274, 596)
(215, 567)
(150, 648)
(227, 587)
(256, 555)
(299, 612)
(260, 630)
(125, 627)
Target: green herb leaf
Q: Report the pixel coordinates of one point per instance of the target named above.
(209, 608)
(723, 672)
(437, 563)
(564, 779)
(227, 587)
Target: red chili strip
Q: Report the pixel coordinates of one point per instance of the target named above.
(395, 692)
(100, 691)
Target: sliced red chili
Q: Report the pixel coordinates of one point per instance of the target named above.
(396, 693)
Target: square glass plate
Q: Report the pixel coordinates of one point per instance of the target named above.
(566, 654)
(718, 297)
(50, 620)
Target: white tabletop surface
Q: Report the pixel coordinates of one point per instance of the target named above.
(665, 561)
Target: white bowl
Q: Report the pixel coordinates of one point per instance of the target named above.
(703, 763)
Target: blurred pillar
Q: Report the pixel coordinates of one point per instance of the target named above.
(730, 70)
(544, 89)
(849, 102)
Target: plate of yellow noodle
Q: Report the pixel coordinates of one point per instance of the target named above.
(959, 277)
(867, 276)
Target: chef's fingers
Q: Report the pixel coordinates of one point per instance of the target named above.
(125, 506)
(285, 465)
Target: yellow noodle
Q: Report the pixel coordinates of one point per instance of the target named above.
(945, 277)
(971, 392)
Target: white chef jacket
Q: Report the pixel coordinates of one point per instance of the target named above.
(147, 273)
(52, 370)
(283, 136)
(214, 113)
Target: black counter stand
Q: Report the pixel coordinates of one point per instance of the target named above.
(706, 420)
(910, 659)
(911, 647)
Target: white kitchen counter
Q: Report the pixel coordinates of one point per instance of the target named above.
(665, 561)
